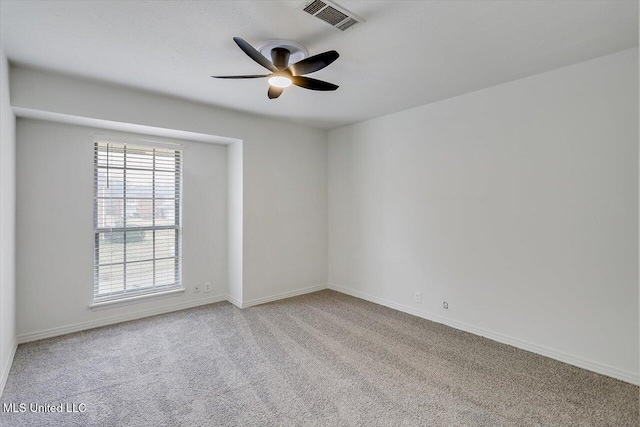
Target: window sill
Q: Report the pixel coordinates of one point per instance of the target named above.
(135, 299)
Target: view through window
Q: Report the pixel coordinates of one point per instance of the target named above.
(137, 220)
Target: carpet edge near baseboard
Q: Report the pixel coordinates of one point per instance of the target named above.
(77, 327)
(4, 375)
(284, 295)
(600, 368)
(82, 326)
(589, 365)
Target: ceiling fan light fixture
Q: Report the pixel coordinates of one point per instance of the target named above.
(280, 81)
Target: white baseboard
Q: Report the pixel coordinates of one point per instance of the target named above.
(590, 365)
(4, 374)
(580, 362)
(62, 330)
(234, 301)
(283, 295)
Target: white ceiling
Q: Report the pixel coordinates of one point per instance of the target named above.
(408, 53)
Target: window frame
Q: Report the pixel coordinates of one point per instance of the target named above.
(153, 290)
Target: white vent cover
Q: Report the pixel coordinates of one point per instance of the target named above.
(332, 14)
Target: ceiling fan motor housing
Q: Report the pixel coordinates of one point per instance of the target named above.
(280, 57)
(297, 52)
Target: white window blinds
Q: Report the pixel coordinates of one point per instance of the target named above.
(137, 220)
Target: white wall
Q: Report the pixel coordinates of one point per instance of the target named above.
(55, 228)
(7, 225)
(285, 215)
(284, 172)
(235, 222)
(517, 204)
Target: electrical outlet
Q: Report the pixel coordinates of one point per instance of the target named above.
(196, 289)
(207, 287)
(418, 297)
(445, 305)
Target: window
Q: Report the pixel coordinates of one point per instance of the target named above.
(137, 220)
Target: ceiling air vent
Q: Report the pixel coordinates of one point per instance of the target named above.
(332, 14)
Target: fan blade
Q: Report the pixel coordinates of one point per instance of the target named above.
(274, 92)
(313, 63)
(313, 84)
(254, 54)
(251, 76)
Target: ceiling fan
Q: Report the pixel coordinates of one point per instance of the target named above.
(284, 75)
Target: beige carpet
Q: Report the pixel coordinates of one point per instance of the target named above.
(319, 359)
